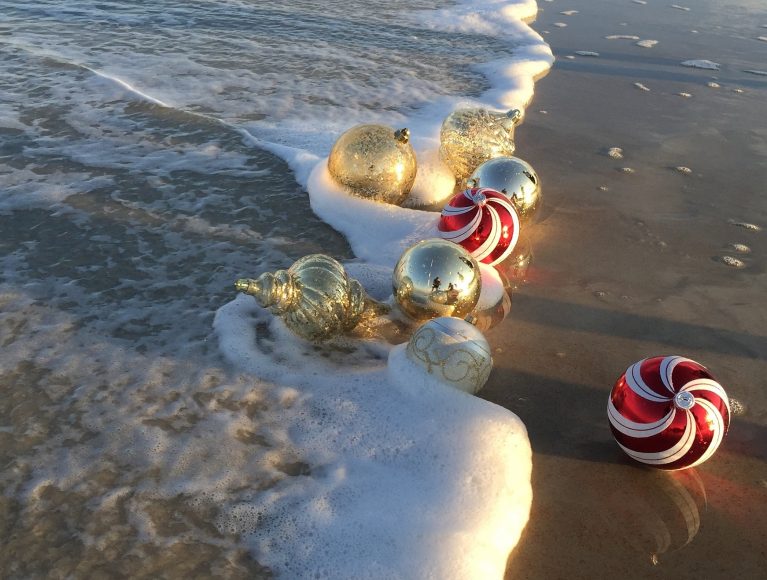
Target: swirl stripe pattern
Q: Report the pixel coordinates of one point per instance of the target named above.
(483, 221)
(668, 412)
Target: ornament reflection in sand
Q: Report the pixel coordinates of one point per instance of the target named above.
(654, 512)
(315, 297)
(514, 270)
(375, 162)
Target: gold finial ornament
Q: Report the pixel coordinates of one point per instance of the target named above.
(513, 177)
(375, 162)
(315, 297)
(471, 136)
(436, 278)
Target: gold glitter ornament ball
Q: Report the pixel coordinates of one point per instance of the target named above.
(436, 278)
(471, 136)
(315, 297)
(453, 351)
(375, 162)
(513, 177)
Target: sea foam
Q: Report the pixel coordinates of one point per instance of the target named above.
(451, 500)
(336, 461)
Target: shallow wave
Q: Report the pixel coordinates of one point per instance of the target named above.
(133, 195)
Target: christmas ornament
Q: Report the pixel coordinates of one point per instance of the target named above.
(374, 162)
(514, 178)
(668, 412)
(454, 351)
(436, 278)
(315, 297)
(470, 136)
(483, 221)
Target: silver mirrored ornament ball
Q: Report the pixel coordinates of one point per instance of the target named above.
(454, 351)
(436, 278)
(513, 177)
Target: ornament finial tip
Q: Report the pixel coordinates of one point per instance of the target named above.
(515, 115)
(241, 285)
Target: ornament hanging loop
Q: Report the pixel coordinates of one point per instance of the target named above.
(402, 135)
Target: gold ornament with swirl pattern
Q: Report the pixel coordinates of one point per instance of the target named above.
(453, 351)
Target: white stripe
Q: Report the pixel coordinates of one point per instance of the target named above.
(638, 430)
(452, 210)
(503, 201)
(635, 382)
(667, 367)
(708, 385)
(491, 241)
(717, 426)
(514, 234)
(672, 454)
(465, 232)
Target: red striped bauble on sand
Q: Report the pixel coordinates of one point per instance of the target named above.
(668, 412)
(483, 221)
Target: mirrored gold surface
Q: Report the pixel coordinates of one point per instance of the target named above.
(436, 278)
(374, 162)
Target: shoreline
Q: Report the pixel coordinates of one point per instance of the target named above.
(632, 264)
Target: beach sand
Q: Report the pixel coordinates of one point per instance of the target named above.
(635, 264)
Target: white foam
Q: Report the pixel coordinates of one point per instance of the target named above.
(701, 63)
(362, 475)
(396, 483)
(378, 474)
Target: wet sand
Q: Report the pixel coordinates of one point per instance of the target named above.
(635, 264)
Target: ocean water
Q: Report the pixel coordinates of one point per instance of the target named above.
(153, 423)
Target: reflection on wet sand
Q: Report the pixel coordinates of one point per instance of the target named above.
(656, 513)
(513, 273)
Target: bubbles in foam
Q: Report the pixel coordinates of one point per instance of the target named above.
(135, 193)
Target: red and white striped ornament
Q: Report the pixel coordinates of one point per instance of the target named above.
(668, 412)
(483, 221)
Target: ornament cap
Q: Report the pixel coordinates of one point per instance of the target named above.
(479, 198)
(515, 115)
(402, 135)
(684, 400)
